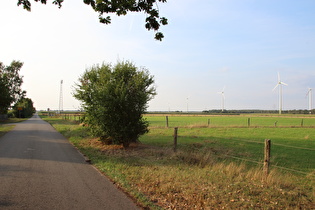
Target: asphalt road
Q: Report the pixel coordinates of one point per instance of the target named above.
(40, 169)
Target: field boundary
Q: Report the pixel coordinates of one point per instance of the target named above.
(252, 141)
(261, 163)
(294, 147)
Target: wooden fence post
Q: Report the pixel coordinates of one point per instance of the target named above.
(267, 156)
(208, 122)
(175, 138)
(248, 122)
(166, 121)
(302, 123)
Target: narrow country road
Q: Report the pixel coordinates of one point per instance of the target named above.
(40, 169)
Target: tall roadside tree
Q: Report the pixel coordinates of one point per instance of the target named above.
(120, 7)
(24, 108)
(10, 85)
(115, 98)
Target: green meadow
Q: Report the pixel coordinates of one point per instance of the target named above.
(254, 120)
(217, 163)
(293, 138)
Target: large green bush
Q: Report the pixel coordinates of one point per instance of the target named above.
(114, 99)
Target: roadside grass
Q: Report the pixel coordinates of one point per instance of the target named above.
(12, 120)
(201, 174)
(5, 128)
(7, 125)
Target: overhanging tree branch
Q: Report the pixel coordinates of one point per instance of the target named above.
(119, 7)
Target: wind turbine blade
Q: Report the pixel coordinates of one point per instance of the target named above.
(275, 87)
(282, 83)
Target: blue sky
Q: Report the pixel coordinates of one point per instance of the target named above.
(209, 44)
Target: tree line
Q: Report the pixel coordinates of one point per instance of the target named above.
(252, 111)
(13, 100)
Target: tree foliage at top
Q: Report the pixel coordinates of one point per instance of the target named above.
(114, 99)
(119, 7)
(10, 85)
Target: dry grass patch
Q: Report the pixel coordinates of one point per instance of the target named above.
(197, 180)
(219, 186)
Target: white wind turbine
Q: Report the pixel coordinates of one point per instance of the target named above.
(309, 94)
(223, 98)
(280, 92)
(187, 102)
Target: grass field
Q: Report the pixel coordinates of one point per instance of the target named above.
(255, 120)
(215, 166)
(293, 145)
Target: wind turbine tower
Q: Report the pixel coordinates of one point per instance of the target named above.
(279, 86)
(223, 98)
(61, 98)
(309, 94)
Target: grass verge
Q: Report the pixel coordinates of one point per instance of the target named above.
(5, 128)
(7, 125)
(196, 177)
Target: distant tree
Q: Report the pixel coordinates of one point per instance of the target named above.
(119, 7)
(23, 108)
(5, 98)
(114, 99)
(10, 85)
